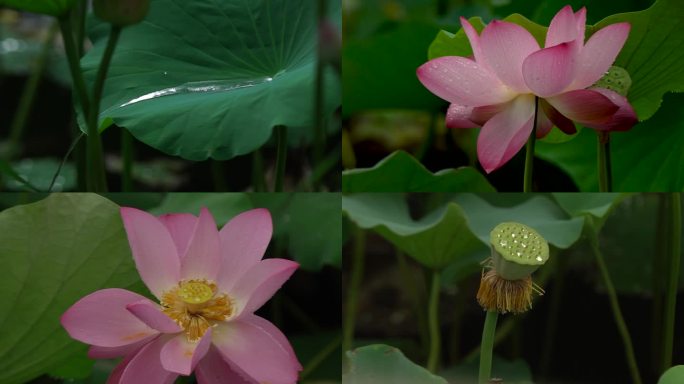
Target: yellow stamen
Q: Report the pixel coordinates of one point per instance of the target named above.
(196, 306)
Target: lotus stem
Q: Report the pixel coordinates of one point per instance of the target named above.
(674, 265)
(353, 290)
(433, 324)
(95, 169)
(487, 346)
(319, 94)
(615, 307)
(21, 117)
(127, 157)
(281, 157)
(529, 155)
(604, 165)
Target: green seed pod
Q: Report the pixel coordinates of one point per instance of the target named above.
(617, 79)
(517, 250)
(121, 12)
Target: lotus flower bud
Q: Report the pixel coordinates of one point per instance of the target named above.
(121, 12)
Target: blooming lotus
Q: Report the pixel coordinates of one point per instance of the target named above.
(209, 284)
(497, 88)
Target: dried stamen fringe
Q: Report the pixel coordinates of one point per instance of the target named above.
(503, 296)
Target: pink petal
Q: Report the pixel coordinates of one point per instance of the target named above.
(153, 250)
(146, 366)
(101, 319)
(151, 314)
(581, 19)
(457, 116)
(463, 81)
(258, 350)
(260, 283)
(474, 40)
(563, 28)
(181, 356)
(243, 243)
(505, 46)
(549, 71)
(115, 376)
(214, 370)
(180, 226)
(560, 121)
(203, 258)
(600, 53)
(584, 106)
(503, 136)
(95, 352)
(481, 115)
(544, 125)
(625, 117)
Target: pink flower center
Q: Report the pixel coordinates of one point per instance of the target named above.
(195, 305)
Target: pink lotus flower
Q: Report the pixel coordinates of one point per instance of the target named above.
(497, 89)
(209, 283)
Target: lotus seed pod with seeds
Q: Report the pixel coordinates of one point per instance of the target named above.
(617, 79)
(517, 250)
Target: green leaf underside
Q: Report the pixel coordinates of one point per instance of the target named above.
(54, 252)
(401, 172)
(436, 240)
(652, 54)
(383, 364)
(674, 375)
(538, 212)
(649, 158)
(213, 60)
(595, 204)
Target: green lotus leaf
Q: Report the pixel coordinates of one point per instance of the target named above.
(53, 253)
(673, 375)
(309, 223)
(382, 364)
(653, 53)
(401, 172)
(201, 79)
(380, 70)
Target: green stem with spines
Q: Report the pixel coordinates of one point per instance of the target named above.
(614, 304)
(433, 324)
(675, 249)
(487, 346)
(529, 151)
